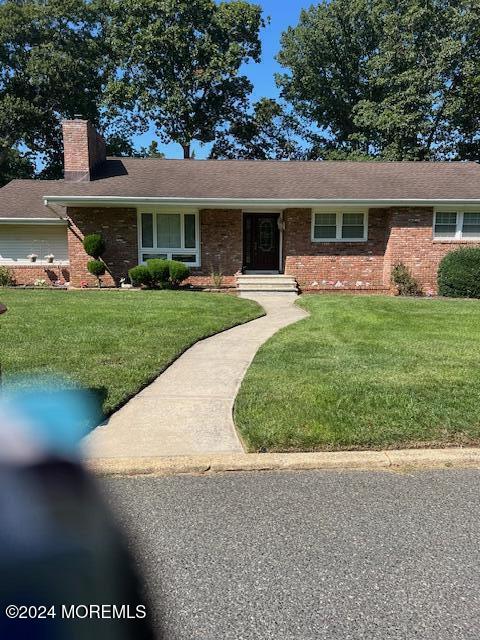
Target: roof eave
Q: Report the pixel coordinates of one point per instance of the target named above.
(111, 201)
(19, 220)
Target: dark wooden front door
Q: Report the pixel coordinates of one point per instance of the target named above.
(261, 239)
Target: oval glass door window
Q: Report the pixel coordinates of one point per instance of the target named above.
(265, 235)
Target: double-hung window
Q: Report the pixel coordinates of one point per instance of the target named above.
(172, 235)
(445, 224)
(471, 225)
(339, 226)
(457, 225)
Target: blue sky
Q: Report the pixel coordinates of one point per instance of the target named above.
(283, 13)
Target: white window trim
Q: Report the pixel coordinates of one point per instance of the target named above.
(458, 235)
(169, 251)
(339, 213)
(10, 262)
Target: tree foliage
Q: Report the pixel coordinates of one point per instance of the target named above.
(180, 68)
(266, 132)
(13, 164)
(398, 79)
(122, 147)
(53, 63)
(383, 79)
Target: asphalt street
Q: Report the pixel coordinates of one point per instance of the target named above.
(307, 555)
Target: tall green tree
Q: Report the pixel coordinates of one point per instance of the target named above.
(53, 65)
(14, 164)
(265, 132)
(123, 147)
(396, 79)
(180, 64)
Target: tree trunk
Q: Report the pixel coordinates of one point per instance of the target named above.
(186, 151)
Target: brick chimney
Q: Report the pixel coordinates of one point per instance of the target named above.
(83, 150)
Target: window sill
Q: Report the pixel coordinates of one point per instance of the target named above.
(189, 264)
(456, 240)
(38, 263)
(169, 253)
(336, 241)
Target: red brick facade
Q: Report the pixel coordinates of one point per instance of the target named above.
(118, 227)
(334, 265)
(411, 241)
(221, 248)
(394, 234)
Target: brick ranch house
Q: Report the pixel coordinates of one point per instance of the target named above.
(330, 225)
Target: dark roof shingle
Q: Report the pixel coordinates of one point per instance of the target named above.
(152, 177)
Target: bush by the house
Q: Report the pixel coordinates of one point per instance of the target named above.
(140, 276)
(403, 280)
(459, 273)
(159, 274)
(217, 278)
(94, 245)
(178, 272)
(6, 277)
(97, 268)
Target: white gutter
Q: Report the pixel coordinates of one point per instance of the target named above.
(111, 201)
(33, 221)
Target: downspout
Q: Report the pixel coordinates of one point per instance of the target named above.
(69, 228)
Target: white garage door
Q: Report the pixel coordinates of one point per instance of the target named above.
(17, 241)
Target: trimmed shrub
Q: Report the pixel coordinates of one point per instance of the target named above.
(94, 245)
(178, 271)
(140, 276)
(459, 273)
(159, 272)
(97, 268)
(6, 277)
(405, 283)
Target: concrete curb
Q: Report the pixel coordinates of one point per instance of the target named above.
(393, 460)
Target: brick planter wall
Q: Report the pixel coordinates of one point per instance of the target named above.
(118, 227)
(28, 273)
(334, 265)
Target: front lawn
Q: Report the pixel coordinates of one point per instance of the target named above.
(366, 372)
(116, 340)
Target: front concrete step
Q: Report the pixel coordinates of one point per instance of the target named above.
(267, 282)
(261, 277)
(267, 287)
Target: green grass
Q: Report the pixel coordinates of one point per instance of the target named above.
(116, 340)
(366, 372)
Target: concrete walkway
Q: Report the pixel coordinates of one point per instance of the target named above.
(187, 410)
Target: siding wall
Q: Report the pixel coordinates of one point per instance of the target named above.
(17, 241)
